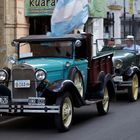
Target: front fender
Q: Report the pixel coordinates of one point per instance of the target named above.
(61, 87)
(131, 70)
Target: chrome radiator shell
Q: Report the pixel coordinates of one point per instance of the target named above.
(23, 72)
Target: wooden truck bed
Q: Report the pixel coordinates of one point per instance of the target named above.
(99, 65)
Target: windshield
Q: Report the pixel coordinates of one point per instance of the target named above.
(112, 44)
(108, 45)
(46, 49)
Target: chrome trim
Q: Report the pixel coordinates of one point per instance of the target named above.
(42, 70)
(19, 100)
(29, 109)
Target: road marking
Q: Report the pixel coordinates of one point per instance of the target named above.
(10, 120)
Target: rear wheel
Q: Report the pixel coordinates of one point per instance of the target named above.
(63, 120)
(133, 90)
(103, 106)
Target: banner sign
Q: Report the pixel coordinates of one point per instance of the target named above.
(98, 8)
(39, 7)
(131, 9)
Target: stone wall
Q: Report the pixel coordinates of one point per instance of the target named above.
(2, 35)
(22, 24)
(13, 24)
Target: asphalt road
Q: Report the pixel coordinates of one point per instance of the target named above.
(121, 123)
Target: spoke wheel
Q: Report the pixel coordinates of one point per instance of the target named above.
(78, 82)
(103, 106)
(133, 91)
(63, 120)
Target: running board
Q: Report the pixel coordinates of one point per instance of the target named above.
(89, 102)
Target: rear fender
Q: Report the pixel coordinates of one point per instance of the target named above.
(105, 80)
(110, 86)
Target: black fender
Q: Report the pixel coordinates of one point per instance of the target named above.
(58, 88)
(105, 80)
(131, 71)
(4, 91)
(110, 86)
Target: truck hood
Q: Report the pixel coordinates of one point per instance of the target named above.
(49, 64)
(127, 58)
(125, 55)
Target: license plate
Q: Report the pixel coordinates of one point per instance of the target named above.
(118, 79)
(22, 83)
(36, 101)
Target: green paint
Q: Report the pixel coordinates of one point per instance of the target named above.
(98, 8)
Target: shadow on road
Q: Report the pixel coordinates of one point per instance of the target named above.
(82, 116)
(46, 123)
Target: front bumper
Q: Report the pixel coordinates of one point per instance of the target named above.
(28, 109)
(120, 83)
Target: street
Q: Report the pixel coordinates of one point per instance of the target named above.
(121, 123)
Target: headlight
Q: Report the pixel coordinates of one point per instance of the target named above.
(40, 74)
(3, 75)
(118, 63)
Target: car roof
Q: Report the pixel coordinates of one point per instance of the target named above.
(31, 38)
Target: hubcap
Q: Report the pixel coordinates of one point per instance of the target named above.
(135, 87)
(106, 100)
(67, 112)
(79, 84)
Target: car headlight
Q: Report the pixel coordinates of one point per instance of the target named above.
(118, 63)
(3, 75)
(40, 74)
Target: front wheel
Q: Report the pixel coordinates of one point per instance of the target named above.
(103, 106)
(63, 120)
(133, 90)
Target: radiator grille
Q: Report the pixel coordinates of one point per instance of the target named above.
(23, 72)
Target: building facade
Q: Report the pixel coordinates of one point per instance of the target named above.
(127, 17)
(18, 18)
(13, 24)
(23, 17)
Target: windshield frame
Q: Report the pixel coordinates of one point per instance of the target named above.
(45, 41)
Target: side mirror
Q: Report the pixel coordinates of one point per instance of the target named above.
(78, 43)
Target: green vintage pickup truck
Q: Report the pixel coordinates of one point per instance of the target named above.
(126, 65)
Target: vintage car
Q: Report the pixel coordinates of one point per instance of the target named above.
(126, 66)
(52, 75)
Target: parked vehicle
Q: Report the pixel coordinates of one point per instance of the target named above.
(55, 75)
(126, 66)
